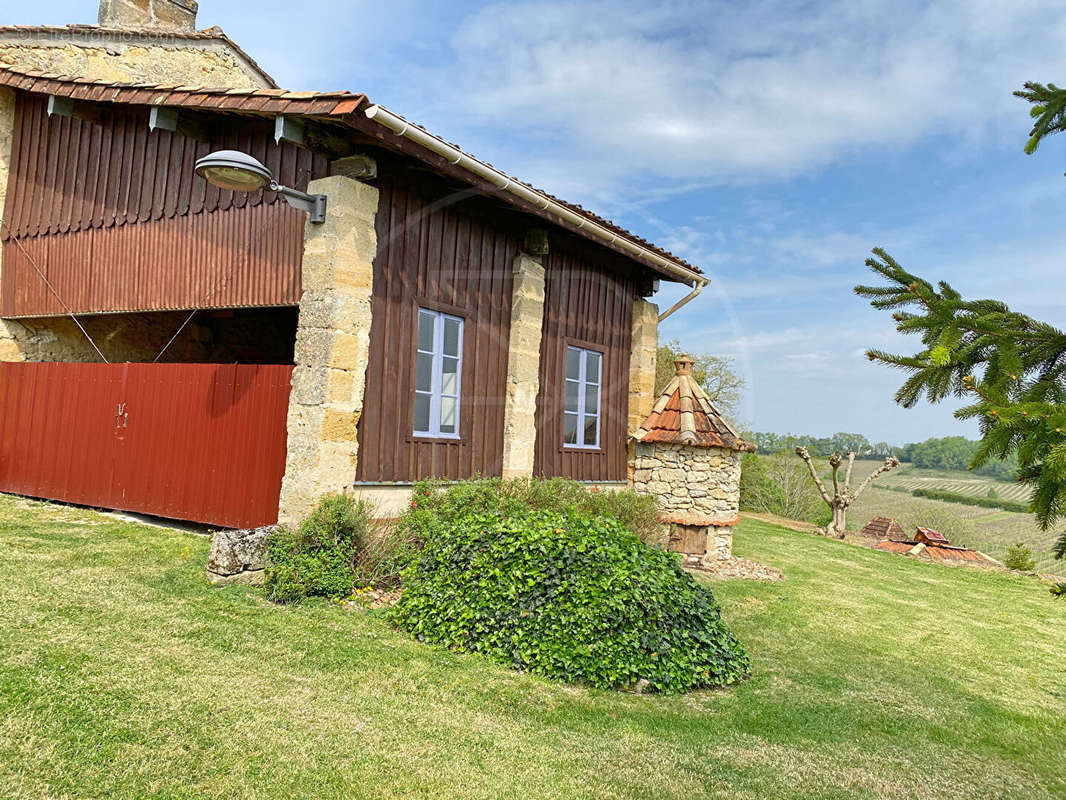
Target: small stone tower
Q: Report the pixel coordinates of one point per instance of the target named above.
(688, 456)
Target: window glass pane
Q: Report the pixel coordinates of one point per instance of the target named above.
(569, 428)
(424, 373)
(573, 363)
(449, 379)
(572, 390)
(451, 337)
(425, 331)
(422, 413)
(590, 430)
(592, 399)
(592, 367)
(447, 414)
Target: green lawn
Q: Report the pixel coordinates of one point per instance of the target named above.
(124, 674)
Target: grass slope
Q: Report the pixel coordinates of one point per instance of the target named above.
(124, 674)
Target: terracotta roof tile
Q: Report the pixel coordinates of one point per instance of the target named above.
(684, 414)
(936, 552)
(325, 104)
(882, 528)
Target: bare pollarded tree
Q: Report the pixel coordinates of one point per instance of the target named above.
(842, 496)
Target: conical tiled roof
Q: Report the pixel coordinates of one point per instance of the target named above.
(882, 528)
(684, 414)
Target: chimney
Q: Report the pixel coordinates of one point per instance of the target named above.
(159, 15)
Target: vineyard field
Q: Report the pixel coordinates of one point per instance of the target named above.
(989, 530)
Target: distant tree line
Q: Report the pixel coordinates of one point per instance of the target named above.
(945, 453)
(822, 446)
(954, 453)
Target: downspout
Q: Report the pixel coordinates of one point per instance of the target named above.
(457, 157)
(690, 296)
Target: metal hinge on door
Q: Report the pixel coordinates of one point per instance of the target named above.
(122, 417)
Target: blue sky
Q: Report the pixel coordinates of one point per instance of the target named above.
(771, 143)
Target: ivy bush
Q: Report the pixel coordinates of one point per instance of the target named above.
(433, 501)
(564, 594)
(318, 558)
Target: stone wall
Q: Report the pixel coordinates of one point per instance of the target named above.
(136, 57)
(251, 336)
(165, 14)
(121, 337)
(643, 351)
(700, 482)
(523, 367)
(332, 346)
(698, 489)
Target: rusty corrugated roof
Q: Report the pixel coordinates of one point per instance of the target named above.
(934, 552)
(930, 536)
(684, 414)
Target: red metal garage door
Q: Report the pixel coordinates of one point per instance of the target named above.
(202, 442)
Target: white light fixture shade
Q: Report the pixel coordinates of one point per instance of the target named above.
(233, 170)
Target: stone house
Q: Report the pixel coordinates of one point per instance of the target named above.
(442, 319)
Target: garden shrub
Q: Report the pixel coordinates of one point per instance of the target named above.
(780, 484)
(564, 594)
(432, 501)
(1019, 557)
(318, 558)
(384, 552)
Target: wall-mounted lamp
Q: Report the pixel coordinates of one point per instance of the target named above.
(239, 172)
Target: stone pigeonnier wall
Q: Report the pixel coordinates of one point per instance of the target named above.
(688, 456)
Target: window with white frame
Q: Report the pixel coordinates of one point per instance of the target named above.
(581, 416)
(438, 374)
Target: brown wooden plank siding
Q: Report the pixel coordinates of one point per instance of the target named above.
(105, 203)
(589, 303)
(446, 257)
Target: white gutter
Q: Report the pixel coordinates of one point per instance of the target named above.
(402, 127)
(690, 296)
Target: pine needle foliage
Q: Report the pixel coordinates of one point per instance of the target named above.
(1049, 111)
(1010, 366)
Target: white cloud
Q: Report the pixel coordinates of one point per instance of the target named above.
(697, 91)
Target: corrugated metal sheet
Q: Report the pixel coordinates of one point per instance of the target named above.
(200, 442)
(934, 552)
(69, 174)
(117, 220)
(443, 257)
(588, 303)
(235, 258)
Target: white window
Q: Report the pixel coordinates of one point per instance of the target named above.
(581, 417)
(438, 374)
